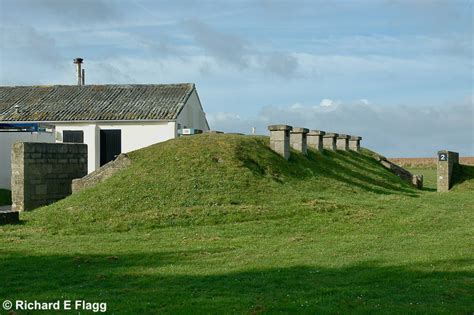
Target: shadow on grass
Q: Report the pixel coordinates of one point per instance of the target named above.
(160, 282)
(351, 168)
(461, 174)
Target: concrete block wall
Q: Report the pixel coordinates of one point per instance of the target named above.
(446, 161)
(42, 173)
(7, 140)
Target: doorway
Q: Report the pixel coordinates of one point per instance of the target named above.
(110, 145)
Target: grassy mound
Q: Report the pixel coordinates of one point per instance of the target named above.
(209, 179)
(243, 231)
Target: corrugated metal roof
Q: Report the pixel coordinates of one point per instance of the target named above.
(93, 102)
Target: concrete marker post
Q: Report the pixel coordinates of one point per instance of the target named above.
(280, 139)
(314, 139)
(354, 143)
(298, 140)
(342, 142)
(446, 161)
(329, 141)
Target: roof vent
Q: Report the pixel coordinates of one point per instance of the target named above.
(17, 108)
(81, 73)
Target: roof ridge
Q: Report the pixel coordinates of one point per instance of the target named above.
(91, 85)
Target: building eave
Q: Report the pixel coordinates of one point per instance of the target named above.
(84, 121)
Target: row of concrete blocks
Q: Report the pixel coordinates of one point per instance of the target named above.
(282, 137)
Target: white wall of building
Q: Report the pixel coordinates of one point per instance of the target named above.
(192, 115)
(7, 139)
(135, 135)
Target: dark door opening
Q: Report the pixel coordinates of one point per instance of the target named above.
(110, 145)
(73, 136)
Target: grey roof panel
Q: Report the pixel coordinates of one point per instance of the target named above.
(93, 102)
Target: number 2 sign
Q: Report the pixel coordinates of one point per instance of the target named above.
(442, 156)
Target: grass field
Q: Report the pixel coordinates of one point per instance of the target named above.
(221, 224)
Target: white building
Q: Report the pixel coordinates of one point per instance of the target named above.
(110, 119)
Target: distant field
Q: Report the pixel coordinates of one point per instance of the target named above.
(427, 161)
(219, 224)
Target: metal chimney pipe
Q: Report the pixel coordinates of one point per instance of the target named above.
(78, 62)
(83, 77)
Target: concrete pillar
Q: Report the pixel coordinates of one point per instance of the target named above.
(280, 139)
(354, 143)
(314, 139)
(298, 140)
(342, 142)
(446, 161)
(329, 141)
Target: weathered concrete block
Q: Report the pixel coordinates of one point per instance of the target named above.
(298, 139)
(329, 141)
(314, 139)
(342, 142)
(280, 139)
(354, 143)
(41, 172)
(417, 181)
(446, 161)
(101, 174)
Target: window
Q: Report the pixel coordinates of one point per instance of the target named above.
(73, 136)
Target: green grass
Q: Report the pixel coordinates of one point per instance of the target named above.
(5, 197)
(221, 224)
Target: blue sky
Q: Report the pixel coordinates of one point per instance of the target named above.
(398, 73)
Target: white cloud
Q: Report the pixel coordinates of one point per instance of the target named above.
(326, 102)
(391, 130)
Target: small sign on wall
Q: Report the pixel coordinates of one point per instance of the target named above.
(442, 156)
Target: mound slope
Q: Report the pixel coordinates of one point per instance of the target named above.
(218, 178)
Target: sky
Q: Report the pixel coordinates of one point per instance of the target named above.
(399, 73)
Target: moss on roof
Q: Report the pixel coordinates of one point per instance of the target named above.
(93, 102)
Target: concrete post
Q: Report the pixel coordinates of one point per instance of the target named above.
(329, 141)
(446, 161)
(314, 139)
(354, 143)
(298, 140)
(280, 139)
(342, 142)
